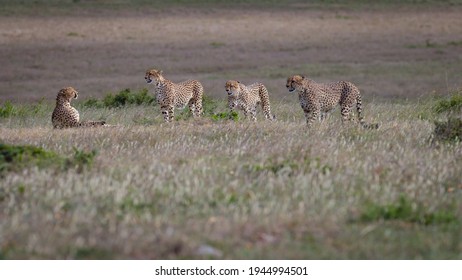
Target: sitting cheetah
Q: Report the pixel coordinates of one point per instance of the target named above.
(317, 98)
(247, 98)
(170, 95)
(64, 115)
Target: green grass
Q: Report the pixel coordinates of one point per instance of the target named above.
(404, 210)
(15, 158)
(8, 109)
(225, 116)
(249, 190)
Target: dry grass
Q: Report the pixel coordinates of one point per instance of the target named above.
(247, 190)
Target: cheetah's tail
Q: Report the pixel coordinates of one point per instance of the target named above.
(359, 109)
(93, 123)
(265, 103)
(198, 93)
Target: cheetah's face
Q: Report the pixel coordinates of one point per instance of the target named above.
(153, 75)
(232, 88)
(68, 93)
(295, 83)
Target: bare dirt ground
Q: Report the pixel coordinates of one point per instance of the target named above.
(388, 53)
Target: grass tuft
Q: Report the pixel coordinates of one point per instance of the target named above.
(81, 159)
(405, 210)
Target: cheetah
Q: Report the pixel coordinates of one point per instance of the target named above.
(65, 116)
(319, 98)
(170, 95)
(247, 98)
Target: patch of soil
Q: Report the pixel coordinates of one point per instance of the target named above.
(98, 54)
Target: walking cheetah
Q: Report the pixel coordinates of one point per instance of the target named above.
(170, 95)
(247, 98)
(64, 115)
(317, 98)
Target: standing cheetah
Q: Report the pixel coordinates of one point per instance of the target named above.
(316, 98)
(170, 95)
(64, 115)
(247, 98)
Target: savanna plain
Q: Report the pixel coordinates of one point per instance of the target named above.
(222, 187)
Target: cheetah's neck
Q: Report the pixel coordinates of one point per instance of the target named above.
(63, 102)
(244, 91)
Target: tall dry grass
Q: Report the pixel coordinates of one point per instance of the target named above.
(237, 189)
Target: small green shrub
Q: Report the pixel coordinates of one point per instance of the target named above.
(81, 159)
(209, 105)
(123, 98)
(8, 110)
(403, 210)
(18, 157)
(449, 130)
(217, 44)
(286, 167)
(225, 116)
(93, 103)
(277, 167)
(291, 166)
(451, 105)
(15, 158)
(183, 114)
(91, 253)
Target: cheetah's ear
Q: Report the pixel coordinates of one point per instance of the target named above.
(238, 82)
(303, 77)
(160, 72)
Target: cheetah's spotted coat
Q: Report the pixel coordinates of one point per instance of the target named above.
(247, 98)
(317, 98)
(170, 95)
(65, 116)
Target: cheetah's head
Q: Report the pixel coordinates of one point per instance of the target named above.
(295, 83)
(232, 88)
(68, 93)
(152, 75)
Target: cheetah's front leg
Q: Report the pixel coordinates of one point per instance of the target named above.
(192, 108)
(231, 106)
(246, 112)
(311, 116)
(345, 111)
(168, 113)
(253, 113)
(198, 107)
